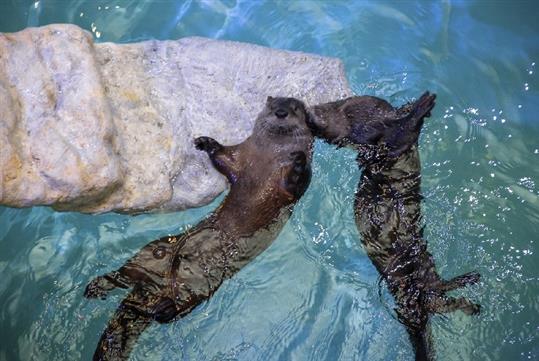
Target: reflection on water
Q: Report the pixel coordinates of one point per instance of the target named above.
(313, 295)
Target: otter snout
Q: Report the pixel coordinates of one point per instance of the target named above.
(283, 117)
(281, 113)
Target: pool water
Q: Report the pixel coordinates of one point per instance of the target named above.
(313, 295)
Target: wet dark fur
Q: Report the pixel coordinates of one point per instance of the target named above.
(387, 207)
(170, 276)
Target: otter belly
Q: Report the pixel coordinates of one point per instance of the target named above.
(244, 249)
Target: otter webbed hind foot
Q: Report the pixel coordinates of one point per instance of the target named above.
(442, 304)
(121, 334)
(100, 286)
(451, 304)
(464, 280)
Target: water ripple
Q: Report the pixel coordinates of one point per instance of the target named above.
(314, 295)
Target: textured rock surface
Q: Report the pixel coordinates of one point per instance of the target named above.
(55, 128)
(109, 127)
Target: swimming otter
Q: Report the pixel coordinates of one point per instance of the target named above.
(387, 207)
(268, 173)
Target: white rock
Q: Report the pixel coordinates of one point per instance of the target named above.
(114, 123)
(55, 129)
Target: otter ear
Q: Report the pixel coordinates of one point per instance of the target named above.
(269, 99)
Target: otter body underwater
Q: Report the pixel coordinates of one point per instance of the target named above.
(387, 207)
(268, 173)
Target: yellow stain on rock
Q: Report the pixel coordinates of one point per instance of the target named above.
(131, 95)
(12, 168)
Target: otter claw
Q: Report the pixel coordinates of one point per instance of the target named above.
(207, 144)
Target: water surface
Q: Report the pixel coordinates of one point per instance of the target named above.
(314, 294)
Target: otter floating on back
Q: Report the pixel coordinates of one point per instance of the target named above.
(169, 277)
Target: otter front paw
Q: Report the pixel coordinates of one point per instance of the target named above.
(98, 288)
(299, 160)
(299, 175)
(207, 144)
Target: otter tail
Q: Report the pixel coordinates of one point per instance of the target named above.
(422, 343)
(121, 334)
(407, 129)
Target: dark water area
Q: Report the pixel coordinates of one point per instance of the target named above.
(314, 294)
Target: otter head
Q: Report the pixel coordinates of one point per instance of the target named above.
(282, 117)
(326, 124)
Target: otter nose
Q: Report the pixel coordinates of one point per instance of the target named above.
(281, 113)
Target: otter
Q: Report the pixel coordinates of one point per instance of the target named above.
(169, 277)
(387, 207)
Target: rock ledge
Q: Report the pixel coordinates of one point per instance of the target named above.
(109, 127)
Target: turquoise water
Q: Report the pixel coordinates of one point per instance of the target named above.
(314, 294)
